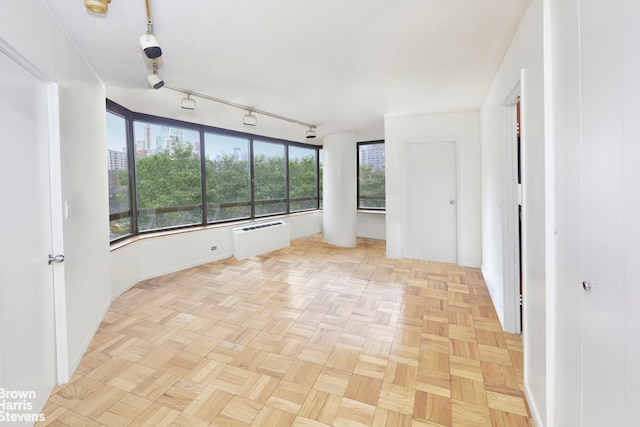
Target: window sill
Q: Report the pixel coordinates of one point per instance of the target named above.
(372, 211)
(163, 233)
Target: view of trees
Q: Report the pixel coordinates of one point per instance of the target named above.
(302, 182)
(371, 172)
(169, 180)
(371, 187)
(170, 183)
(169, 190)
(228, 182)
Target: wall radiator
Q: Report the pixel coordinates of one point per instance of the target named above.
(256, 239)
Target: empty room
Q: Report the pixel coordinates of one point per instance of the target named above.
(319, 213)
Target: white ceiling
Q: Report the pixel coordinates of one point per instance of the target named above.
(339, 64)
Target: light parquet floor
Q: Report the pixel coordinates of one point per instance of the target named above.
(311, 335)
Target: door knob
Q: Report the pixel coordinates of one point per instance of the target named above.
(586, 286)
(56, 258)
(452, 202)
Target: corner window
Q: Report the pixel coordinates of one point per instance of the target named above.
(166, 174)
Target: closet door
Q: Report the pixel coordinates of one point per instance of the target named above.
(603, 205)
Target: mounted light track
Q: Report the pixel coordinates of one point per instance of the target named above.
(309, 134)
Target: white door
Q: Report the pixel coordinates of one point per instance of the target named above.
(603, 231)
(430, 205)
(27, 334)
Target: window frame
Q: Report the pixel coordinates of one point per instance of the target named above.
(120, 111)
(359, 195)
(317, 197)
(131, 117)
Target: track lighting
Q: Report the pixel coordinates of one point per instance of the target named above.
(150, 45)
(154, 79)
(311, 133)
(97, 6)
(188, 103)
(148, 41)
(250, 119)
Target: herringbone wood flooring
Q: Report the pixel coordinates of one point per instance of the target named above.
(311, 335)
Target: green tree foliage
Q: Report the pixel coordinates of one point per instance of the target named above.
(227, 180)
(371, 184)
(302, 177)
(169, 179)
(172, 179)
(268, 172)
(302, 183)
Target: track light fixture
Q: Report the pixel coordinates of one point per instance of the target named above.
(311, 133)
(148, 41)
(249, 119)
(154, 79)
(152, 51)
(150, 45)
(97, 6)
(188, 103)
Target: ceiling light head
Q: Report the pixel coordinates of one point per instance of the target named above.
(250, 120)
(150, 45)
(188, 103)
(155, 81)
(311, 133)
(97, 6)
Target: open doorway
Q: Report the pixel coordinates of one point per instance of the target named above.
(519, 167)
(511, 212)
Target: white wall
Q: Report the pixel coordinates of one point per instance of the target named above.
(27, 26)
(566, 390)
(525, 53)
(464, 128)
(371, 225)
(163, 253)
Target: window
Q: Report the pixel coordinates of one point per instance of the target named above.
(228, 178)
(168, 189)
(320, 176)
(303, 183)
(371, 192)
(165, 174)
(269, 181)
(118, 170)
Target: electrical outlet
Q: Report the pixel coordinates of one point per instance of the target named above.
(214, 248)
